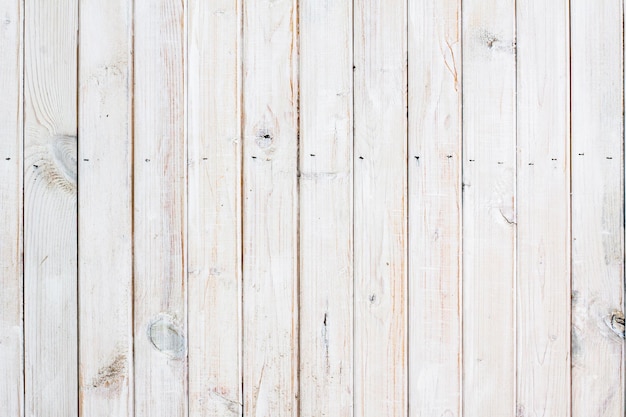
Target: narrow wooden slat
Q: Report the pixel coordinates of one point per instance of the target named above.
(11, 205)
(434, 207)
(597, 207)
(270, 249)
(326, 279)
(50, 232)
(105, 209)
(489, 166)
(159, 209)
(380, 187)
(214, 208)
(543, 251)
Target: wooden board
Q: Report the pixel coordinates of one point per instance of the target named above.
(214, 239)
(434, 245)
(105, 223)
(543, 187)
(326, 279)
(50, 232)
(160, 330)
(270, 203)
(11, 220)
(380, 186)
(597, 207)
(489, 222)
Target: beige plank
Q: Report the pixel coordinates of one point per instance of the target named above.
(597, 207)
(270, 202)
(543, 220)
(380, 187)
(50, 232)
(214, 206)
(160, 333)
(105, 209)
(326, 279)
(489, 229)
(11, 206)
(435, 208)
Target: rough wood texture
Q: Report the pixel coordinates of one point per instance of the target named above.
(270, 216)
(326, 279)
(597, 207)
(105, 223)
(214, 242)
(489, 165)
(159, 210)
(11, 221)
(50, 235)
(543, 177)
(434, 165)
(380, 187)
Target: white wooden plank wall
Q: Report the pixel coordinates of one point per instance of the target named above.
(350, 208)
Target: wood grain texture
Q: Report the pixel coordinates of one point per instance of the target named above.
(270, 218)
(214, 195)
(543, 215)
(326, 279)
(11, 206)
(105, 223)
(597, 207)
(380, 187)
(489, 229)
(50, 233)
(160, 333)
(435, 208)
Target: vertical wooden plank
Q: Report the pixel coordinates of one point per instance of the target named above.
(489, 165)
(543, 221)
(214, 206)
(597, 207)
(160, 333)
(11, 199)
(380, 185)
(105, 209)
(326, 279)
(435, 207)
(50, 232)
(270, 218)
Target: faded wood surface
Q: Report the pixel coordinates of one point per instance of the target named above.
(11, 199)
(350, 208)
(489, 216)
(105, 256)
(159, 210)
(326, 279)
(597, 208)
(380, 186)
(214, 207)
(543, 241)
(434, 246)
(270, 209)
(50, 214)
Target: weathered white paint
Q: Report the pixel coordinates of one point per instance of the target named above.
(326, 279)
(489, 166)
(543, 179)
(50, 232)
(597, 206)
(434, 248)
(380, 208)
(270, 208)
(105, 256)
(11, 205)
(214, 206)
(159, 209)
